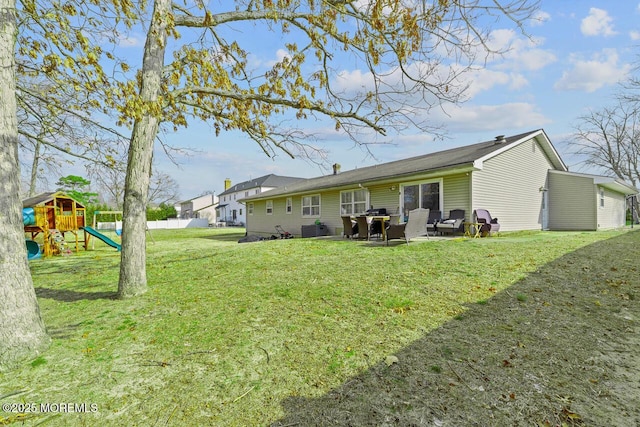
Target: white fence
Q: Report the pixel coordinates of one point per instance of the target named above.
(162, 224)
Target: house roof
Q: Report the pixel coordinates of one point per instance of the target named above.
(469, 157)
(209, 195)
(270, 180)
(42, 198)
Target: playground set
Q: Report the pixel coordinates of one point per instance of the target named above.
(53, 215)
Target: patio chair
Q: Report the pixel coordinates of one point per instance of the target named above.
(375, 228)
(489, 225)
(363, 228)
(349, 227)
(435, 217)
(415, 226)
(453, 224)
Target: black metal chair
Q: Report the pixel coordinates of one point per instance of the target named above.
(435, 217)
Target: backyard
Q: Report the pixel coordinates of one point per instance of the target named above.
(531, 328)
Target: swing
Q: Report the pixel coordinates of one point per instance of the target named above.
(118, 229)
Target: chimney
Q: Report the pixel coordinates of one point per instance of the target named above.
(227, 184)
(336, 168)
(500, 139)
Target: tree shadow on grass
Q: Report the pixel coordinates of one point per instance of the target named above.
(230, 237)
(65, 295)
(555, 348)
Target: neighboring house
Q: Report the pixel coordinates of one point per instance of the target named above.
(231, 210)
(200, 207)
(519, 179)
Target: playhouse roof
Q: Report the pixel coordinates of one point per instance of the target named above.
(43, 198)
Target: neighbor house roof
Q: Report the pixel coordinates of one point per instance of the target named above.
(468, 157)
(270, 180)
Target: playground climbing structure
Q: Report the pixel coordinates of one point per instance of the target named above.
(53, 215)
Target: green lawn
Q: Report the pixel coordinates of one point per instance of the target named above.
(229, 331)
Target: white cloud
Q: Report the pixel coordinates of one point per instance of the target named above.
(280, 55)
(597, 23)
(132, 40)
(520, 53)
(484, 80)
(540, 18)
(518, 81)
(590, 75)
(354, 80)
(634, 35)
(488, 118)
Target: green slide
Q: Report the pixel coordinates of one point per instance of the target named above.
(102, 237)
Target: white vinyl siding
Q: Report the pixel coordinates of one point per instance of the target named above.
(508, 186)
(456, 191)
(612, 210)
(575, 195)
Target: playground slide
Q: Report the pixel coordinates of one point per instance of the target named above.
(102, 237)
(33, 250)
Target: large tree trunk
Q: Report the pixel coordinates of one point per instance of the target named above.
(133, 272)
(22, 332)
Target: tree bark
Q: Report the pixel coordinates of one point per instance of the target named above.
(133, 272)
(34, 169)
(22, 331)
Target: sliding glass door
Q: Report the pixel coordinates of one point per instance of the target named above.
(424, 195)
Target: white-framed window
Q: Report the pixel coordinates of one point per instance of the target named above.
(269, 207)
(250, 208)
(426, 195)
(246, 194)
(311, 206)
(354, 202)
(602, 197)
(288, 205)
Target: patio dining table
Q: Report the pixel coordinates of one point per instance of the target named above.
(382, 219)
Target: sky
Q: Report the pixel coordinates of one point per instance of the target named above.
(577, 54)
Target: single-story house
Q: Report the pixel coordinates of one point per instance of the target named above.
(520, 179)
